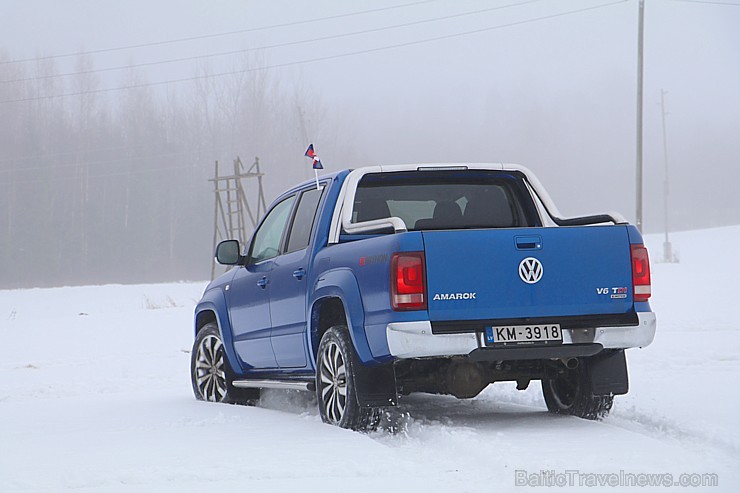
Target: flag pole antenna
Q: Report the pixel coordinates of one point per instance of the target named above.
(316, 164)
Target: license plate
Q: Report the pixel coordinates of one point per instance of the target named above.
(524, 334)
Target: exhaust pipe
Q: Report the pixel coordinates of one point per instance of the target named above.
(570, 363)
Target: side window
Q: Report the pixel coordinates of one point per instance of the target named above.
(300, 231)
(266, 243)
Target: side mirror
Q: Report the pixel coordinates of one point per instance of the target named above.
(227, 253)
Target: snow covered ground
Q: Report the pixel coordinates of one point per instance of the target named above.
(95, 396)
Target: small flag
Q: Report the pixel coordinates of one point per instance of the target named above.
(316, 161)
(309, 152)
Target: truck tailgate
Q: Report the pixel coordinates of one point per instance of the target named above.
(489, 274)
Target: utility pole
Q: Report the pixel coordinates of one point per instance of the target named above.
(667, 249)
(640, 43)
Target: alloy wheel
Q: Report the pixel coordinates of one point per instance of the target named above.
(333, 382)
(209, 374)
(565, 389)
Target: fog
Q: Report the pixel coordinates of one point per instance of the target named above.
(104, 173)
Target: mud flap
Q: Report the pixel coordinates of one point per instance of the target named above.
(608, 373)
(376, 385)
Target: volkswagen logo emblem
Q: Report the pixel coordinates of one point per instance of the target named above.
(530, 270)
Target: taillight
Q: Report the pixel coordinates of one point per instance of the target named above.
(640, 272)
(408, 282)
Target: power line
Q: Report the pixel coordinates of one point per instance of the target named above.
(216, 35)
(266, 47)
(316, 59)
(711, 2)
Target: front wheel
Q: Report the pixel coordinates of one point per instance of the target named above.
(335, 383)
(571, 393)
(210, 373)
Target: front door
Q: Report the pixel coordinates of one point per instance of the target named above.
(249, 293)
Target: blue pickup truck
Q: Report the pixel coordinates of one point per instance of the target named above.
(381, 281)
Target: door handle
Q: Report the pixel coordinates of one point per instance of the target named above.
(299, 273)
(528, 242)
(262, 282)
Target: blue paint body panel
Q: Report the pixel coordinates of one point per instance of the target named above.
(580, 268)
(249, 311)
(365, 288)
(288, 309)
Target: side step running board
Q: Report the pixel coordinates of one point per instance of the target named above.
(275, 384)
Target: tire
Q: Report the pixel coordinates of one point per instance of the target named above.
(571, 393)
(211, 375)
(335, 384)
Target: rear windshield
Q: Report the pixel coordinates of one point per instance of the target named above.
(428, 200)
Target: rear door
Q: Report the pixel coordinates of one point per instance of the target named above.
(489, 274)
(289, 279)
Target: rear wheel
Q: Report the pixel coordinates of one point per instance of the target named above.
(571, 393)
(210, 373)
(335, 383)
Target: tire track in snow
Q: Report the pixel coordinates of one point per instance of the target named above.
(660, 427)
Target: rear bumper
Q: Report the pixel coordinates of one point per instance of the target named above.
(415, 340)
